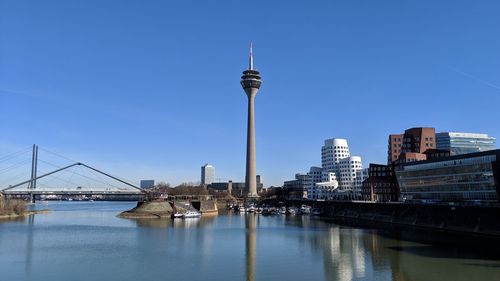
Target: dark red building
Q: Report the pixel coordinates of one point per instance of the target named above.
(381, 184)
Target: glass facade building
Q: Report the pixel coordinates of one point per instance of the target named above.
(461, 143)
(207, 174)
(468, 177)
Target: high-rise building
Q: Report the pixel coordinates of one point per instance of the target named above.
(250, 81)
(461, 143)
(207, 174)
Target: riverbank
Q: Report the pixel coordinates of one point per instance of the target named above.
(12, 208)
(24, 214)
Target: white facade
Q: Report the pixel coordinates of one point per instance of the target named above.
(314, 176)
(342, 174)
(332, 153)
(207, 174)
(351, 175)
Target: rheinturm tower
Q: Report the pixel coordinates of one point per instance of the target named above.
(250, 81)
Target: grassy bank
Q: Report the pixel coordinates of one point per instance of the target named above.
(12, 207)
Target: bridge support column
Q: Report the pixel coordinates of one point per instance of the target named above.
(34, 164)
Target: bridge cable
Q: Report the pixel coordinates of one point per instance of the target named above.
(76, 173)
(15, 165)
(13, 154)
(72, 160)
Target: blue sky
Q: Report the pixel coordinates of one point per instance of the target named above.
(150, 89)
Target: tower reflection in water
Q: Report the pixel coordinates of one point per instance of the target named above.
(250, 245)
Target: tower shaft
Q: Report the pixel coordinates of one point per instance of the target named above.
(251, 174)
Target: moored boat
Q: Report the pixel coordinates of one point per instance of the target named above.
(191, 214)
(177, 215)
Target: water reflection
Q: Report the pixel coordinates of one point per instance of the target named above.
(29, 244)
(202, 222)
(250, 245)
(395, 254)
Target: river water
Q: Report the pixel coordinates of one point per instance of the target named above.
(87, 241)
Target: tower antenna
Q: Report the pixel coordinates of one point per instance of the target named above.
(251, 58)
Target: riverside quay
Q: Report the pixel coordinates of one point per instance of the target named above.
(466, 177)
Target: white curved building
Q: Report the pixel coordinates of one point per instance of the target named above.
(342, 175)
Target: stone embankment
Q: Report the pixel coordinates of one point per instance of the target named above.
(150, 209)
(466, 219)
(164, 209)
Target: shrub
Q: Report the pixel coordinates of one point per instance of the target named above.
(12, 206)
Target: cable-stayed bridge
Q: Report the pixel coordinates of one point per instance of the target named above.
(25, 174)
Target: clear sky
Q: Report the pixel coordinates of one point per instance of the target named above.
(150, 89)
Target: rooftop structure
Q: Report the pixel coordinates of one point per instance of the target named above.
(461, 143)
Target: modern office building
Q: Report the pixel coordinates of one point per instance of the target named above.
(394, 148)
(414, 142)
(461, 143)
(351, 175)
(419, 139)
(297, 188)
(381, 185)
(341, 173)
(207, 174)
(236, 188)
(332, 152)
(314, 176)
(145, 184)
(465, 177)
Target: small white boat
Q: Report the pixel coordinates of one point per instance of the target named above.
(251, 209)
(283, 210)
(191, 214)
(177, 215)
(242, 209)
